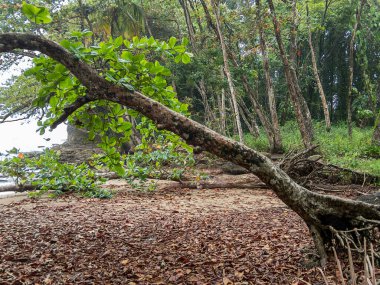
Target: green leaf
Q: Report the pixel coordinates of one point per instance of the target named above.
(180, 48)
(185, 41)
(118, 42)
(172, 42)
(186, 58)
(36, 14)
(178, 58)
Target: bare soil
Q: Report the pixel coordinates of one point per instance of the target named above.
(171, 236)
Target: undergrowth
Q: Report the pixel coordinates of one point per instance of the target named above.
(335, 146)
(44, 172)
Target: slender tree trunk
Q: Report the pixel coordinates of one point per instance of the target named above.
(194, 7)
(301, 110)
(235, 129)
(246, 116)
(189, 23)
(351, 67)
(201, 86)
(228, 73)
(294, 67)
(293, 36)
(222, 106)
(202, 91)
(277, 142)
(376, 132)
(250, 116)
(252, 93)
(210, 23)
(316, 76)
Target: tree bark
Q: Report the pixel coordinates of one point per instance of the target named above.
(293, 36)
(257, 108)
(252, 127)
(189, 23)
(277, 142)
(316, 76)
(322, 213)
(222, 106)
(201, 87)
(351, 68)
(376, 132)
(302, 112)
(227, 72)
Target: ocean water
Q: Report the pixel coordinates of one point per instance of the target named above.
(24, 137)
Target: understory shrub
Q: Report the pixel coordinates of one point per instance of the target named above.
(44, 172)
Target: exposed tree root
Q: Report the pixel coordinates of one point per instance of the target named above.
(307, 168)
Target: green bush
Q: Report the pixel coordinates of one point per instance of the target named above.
(45, 172)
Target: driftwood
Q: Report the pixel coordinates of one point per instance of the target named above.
(15, 188)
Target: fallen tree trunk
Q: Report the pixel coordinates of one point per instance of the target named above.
(325, 215)
(15, 188)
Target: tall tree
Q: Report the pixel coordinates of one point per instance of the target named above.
(257, 108)
(358, 13)
(302, 112)
(227, 71)
(316, 74)
(277, 142)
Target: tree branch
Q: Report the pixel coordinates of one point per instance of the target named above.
(67, 111)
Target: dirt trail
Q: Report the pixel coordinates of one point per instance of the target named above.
(172, 236)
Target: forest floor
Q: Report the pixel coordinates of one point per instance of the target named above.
(170, 236)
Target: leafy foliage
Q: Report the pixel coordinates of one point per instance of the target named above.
(35, 14)
(161, 159)
(45, 172)
(131, 64)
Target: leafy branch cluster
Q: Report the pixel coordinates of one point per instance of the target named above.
(45, 172)
(131, 64)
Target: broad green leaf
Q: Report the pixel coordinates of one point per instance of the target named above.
(172, 42)
(186, 58)
(185, 41)
(36, 14)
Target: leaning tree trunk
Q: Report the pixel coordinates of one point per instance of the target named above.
(316, 76)
(301, 110)
(277, 142)
(325, 215)
(228, 72)
(351, 67)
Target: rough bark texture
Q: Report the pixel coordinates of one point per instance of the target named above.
(228, 73)
(302, 112)
(323, 214)
(316, 76)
